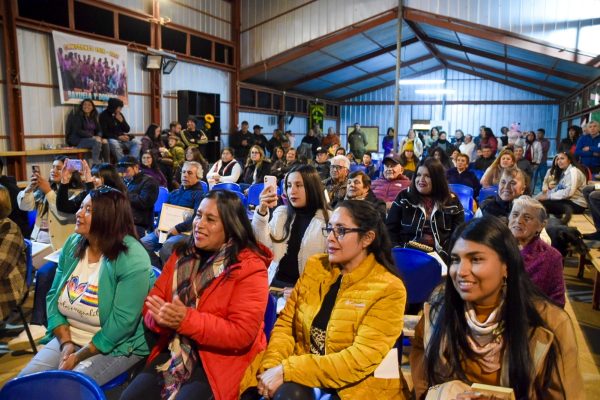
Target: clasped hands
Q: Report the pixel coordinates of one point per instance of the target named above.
(166, 314)
(269, 381)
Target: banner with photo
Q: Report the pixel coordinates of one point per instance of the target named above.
(89, 69)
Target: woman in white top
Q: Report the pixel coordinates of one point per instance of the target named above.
(411, 136)
(562, 191)
(468, 147)
(293, 232)
(226, 170)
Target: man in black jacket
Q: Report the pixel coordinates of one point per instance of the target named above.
(18, 216)
(115, 129)
(241, 141)
(142, 191)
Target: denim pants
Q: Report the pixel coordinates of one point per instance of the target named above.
(102, 367)
(44, 277)
(593, 199)
(117, 147)
(150, 243)
(94, 145)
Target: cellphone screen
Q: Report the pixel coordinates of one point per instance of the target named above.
(35, 169)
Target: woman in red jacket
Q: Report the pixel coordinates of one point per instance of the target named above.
(207, 308)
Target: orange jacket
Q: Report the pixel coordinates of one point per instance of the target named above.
(227, 324)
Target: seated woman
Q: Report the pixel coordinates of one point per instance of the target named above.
(342, 318)
(95, 304)
(491, 177)
(512, 184)
(12, 258)
(489, 324)
(439, 154)
(149, 166)
(412, 137)
(462, 176)
(207, 308)
(427, 212)
(409, 159)
(257, 166)
(293, 233)
(152, 142)
(226, 170)
(83, 131)
(566, 196)
(543, 263)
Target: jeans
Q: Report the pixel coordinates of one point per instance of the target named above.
(43, 283)
(539, 173)
(96, 146)
(150, 243)
(592, 196)
(117, 147)
(102, 367)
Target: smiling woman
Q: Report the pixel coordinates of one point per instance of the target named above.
(489, 324)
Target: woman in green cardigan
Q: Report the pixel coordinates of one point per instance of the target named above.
(95, 304)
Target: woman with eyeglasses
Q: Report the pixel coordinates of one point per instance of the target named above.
(95, 304)
(342, 318)
(489, 324)
(293, 233)
(257, 166)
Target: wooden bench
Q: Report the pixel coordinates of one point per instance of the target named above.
(53, 152)
(585, 225)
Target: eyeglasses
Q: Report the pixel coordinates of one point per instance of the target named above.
(336, 167)
(339, 231)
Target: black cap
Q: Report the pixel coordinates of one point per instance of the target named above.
(257, 127)
(392, 157)
(321, 150)
(126, 162)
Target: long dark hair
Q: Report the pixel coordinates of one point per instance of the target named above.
(93, 114)
(315, 197)
(364, 214)
(236, 225)
(110, 176)
(449, 327)
(151, 134)
(112, 220)
(440, 191)
(154, 164)
(557, 173)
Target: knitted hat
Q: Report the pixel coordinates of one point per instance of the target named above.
(410, 146)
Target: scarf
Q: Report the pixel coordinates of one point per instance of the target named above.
(485, 338)
(190, 278)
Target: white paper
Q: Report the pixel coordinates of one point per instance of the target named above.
(53, 256)
(389, 369)
(162, 237)
(171, 215)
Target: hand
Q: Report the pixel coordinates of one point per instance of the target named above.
(586, 148)
(66, 360)
(270, 381)
(69, 362)
(98, 139)
(268, 199)
(471, 395)
(65, 175)
(287, 292)
(172, 232)
(87, 173)
(119, 117)
(43, 184)
(168, 315)
(124, 138)
(542, 196)
(244, 142)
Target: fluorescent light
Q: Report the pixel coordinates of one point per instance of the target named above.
(435, 91)
(422, 81)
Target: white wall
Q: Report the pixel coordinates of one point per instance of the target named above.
(4, 145)
(208, 16)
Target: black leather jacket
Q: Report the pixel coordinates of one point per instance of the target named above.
(143, 192)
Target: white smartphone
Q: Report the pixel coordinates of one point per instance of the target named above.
(271, 180)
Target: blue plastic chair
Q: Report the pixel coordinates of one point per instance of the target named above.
(233, 187)
(420, 273)
(357, 167)
(52, 385)
(484, 193)
(270, 315)
(241, 196)
(163, 195)
(478, 173)
(116, 381)
(254, 194)
(31, 216)
(156, 271)
(204, 186)
(465, 195)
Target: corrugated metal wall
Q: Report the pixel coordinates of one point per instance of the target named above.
(4, 145)
(143, 6)
(468, 117)
(555, 21)
(208, 16)
(299, 26)
(269, 124)
(199, 78)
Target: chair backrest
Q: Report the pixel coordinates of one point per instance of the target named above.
(31, 216)
(52, 385)
(29, 259)
(270, 315)
(163, 195)
(241, 196)
(420, 273)
(464, 193)
(156, 272)
(478, 173)
(204, 186)
(358, 167)
(484, 193)
(233, 187)
(254, 193)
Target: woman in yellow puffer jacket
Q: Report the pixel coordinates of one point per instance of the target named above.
(342, 318)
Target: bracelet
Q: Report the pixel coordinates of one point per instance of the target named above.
(262, 215)
(62, 345)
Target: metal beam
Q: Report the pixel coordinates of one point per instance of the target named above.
(504, 82)
(423, 38)
(348, 63)
(495, 35)
(523, 64)
(510, 74)
(388, 83)
(372, 75)
(317, 44)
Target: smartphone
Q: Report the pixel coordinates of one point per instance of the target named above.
(74, 165)
(271, 180)
(35, 169)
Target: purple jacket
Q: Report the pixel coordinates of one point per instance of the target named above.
(388, 190)
(544, 265)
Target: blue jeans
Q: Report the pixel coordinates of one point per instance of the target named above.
(102, 367)
(150, 243)
(593, 199)
(94, 145)
(117, 147)
(539, 174)
(44, 277)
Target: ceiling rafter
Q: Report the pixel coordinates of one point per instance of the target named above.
(348, 63)
(504, 82)
(510, 74)
(372, 75)
(389, 83)
(422, 37)
(495, 35)
(524, 64)
(317, 44)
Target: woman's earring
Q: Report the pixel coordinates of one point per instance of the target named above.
(504, 280)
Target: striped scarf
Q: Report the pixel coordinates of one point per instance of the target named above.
(190, 278)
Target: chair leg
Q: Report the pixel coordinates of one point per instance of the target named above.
(26, 325)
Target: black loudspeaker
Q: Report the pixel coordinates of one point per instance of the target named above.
(199, 104)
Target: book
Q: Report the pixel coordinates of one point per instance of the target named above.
(499, 392)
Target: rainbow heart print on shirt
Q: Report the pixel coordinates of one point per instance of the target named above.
(88, 293)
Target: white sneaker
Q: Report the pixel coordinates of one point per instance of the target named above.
(21, 342)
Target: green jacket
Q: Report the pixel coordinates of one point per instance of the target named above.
(123, 285)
